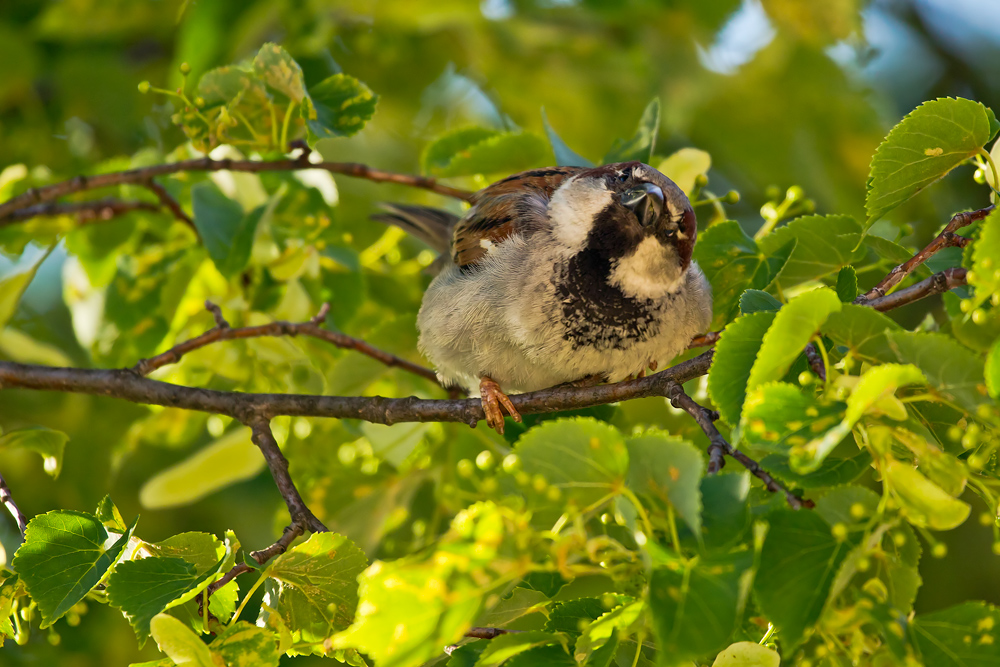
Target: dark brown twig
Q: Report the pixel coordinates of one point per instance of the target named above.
(481, 633)
(143, 175)
(278, 464)
(261, 556)
(8, 500)
(168, 200)
(706, 420)
(85, 211)
(937, 284)
(223, 331)
(945, 239)
(815, 360)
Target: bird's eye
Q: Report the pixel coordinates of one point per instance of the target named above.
(624, 176)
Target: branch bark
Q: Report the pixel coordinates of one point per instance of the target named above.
(936, 284)
(945, 239)
(222, 331)
(278, 464)
(144, 175)
(85, 211)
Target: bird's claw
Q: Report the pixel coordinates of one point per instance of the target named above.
(494, 403)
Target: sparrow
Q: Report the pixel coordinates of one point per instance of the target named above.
(559, 275)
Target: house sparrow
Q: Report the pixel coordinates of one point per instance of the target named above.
(557, 275)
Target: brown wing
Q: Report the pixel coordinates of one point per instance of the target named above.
(517, 204)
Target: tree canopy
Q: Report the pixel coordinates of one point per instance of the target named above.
(192, 293)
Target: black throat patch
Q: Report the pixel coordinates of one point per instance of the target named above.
(597, 314)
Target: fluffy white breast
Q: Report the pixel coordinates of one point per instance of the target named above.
(651, 272)
(572, 210)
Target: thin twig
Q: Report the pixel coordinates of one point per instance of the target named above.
(937, 284)
(311, 328)
(85, 211)
(8, 500)
(480, 633)
(278, 464)
(706, 420)
(945, 239)
(815, 360)
(280, 546)
(168, 200)
(143, 175)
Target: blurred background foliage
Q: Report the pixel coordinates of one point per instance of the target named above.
(778, 92)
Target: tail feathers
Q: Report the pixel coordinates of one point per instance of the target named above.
(431, 225)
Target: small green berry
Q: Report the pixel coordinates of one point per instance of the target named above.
(996, 548)
(939, 550)
(144, 87)
(199, 102)
(986, 519)
(955, 433)
(511, 463)
(839, 531)
(858, 511)
(795, 193)
(484, 461)
(539, 483)
(465, 468)
(979, 176)
(701, 180)
(185, 68)
(806, 378)
(731, 197)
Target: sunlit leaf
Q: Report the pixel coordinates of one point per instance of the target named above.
(177, 640)
(684, 166)
(734, 357)
(343, 106)
(747, 654)
(642, 144)
(565, 156)
(932, 140)
(668, 469)
(923, 502)
(961, 636)
(243, 643)
(64, 555)
(825, 243)
(48, 443)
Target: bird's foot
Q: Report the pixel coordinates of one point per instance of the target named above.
(494, 402)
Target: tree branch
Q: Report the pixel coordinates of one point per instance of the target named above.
(936, 284)
(945, 239)
(168, 200)
(127, 385)
(223, 331)
(261, 556)
(706, 420)
(144, 175)
(278, 464)
(8, 500)
(85, 211)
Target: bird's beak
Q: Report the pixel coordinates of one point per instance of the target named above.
(646, 201)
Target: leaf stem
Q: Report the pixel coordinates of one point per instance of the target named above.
(246, 598)
(993, 168)
(284, 125)
(632, 498)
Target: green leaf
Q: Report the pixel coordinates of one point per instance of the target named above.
(584, 458)
(315, 588)
(696, 605)
(732, 263)
(146, 587)
(921, 501)
(64, 555)
(565, 156)
(668, 469)
(847, 284)
(226, 232)
(799, 543)
(48, 443)
(180, 644)
(684, 166)
(573, 616)
(343, 106)
(747, 654)
(108, 514)
(928, 143)
(825, 244)
(642, 144)
(793, 327)
(954, 370)
(734, 357)
(520, 603)
(992, 370)
(243, 643)
(726, 509)
(542, 656)
(230, 459)
(985, 273)
(478, 151)
(779, 416)
(961, 636)
(832, 472)
(507, 646)
(611, 624)
(863, 330)
(755, 301)
(280, 71)
(13, 284)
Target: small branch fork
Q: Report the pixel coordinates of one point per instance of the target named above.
(947, 238)
(144, 176)
(719, 448)
(312, 328)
